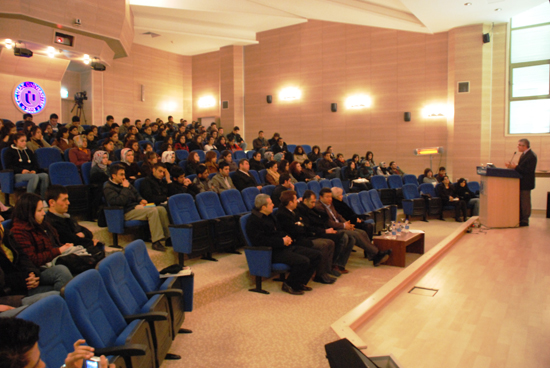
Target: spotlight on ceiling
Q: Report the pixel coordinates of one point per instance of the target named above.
(8, 43)
(86, 59)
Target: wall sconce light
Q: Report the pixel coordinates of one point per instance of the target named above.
(86, 59)
(435, 111)
(358, 102)
(290, 93)
(8, 43)
(206, 101)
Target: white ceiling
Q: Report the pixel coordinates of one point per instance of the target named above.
(191, 27)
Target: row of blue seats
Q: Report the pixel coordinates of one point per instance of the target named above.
(123, 309)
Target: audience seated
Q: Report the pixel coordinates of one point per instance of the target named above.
(211, 144)
(109, 147)
(256, 162)
(309, 174)
(242, 178)
(181, 184)
(151, 159)
(336, 221)
(222, 181)
(280, 150)
(347, 212)
(62, 140)
(201, 181)
(154, 187)
(35, 140)
(464, 194)
(273, 140)
(283, 167)
(22, 161)
(429, 176)
(449, 197)
(366, 171)
(285, 183)
(296, 171)
(394, 170)
(236, 137)
(80, 153)
(291, 223)
(356, 182)
(299, 155)
(210, 162)
(263, 230)
(128, 161)
(119, 192)
(272, 175)
(382, 169)
(442, 172)
(315, 154)
(260, 144)
(168, 159)
(328, 167)
(227, 157)
(340, 161)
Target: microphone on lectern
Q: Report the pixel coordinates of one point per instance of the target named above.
(513, 156)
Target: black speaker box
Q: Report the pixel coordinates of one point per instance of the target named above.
(333, 107)
(269, 99)
(486, 38)
(407, 116)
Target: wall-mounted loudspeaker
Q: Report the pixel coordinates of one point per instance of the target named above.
(486, 38)
(333, 107)
(407, 116)
(269, 99)
(225, 104)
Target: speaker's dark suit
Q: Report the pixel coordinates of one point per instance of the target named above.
(526, 167)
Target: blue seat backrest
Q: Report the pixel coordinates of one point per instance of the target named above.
(182, 154)
(355, 203)
(379, 182)
(375, 199)
(291, 147)
(117, 153)
(3, 157)
(47, 156)
(85, 170)
(191, 177)
(243, 221)
(366, 201)
(157, 145)
(58, 331)
(410, 179)
(142, 266)
(121, 284)
(216, 152)
(325, 183)
(262, 173)
(314, 186)
(238, 155)
(137, 184)
(395, 181)
(250, 154)
(143, 143)
(232, 202)
(336, 182)
(66, 155)
(93, 311)
(410, 191)
(256, 176)
(182, 209)
(300, 188)
(183, 164)
(249, 196)
(210, 176)
(268, 189)
(232, 174)
(420, 179)
(307, 148)
(209, 205)
(427, 188)
(473, 186)
(64, 173)
(7, 225)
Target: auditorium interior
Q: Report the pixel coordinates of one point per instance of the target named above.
(387, 76)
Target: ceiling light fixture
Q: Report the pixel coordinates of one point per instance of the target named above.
(51, 52)
(467, 4)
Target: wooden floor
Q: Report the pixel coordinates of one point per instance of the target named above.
(492, 307)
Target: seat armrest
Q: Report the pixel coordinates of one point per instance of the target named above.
(128, 350)
(149, 317)
(168, 292)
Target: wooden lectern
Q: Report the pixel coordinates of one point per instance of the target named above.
(499, 197)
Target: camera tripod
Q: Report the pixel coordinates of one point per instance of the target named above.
(78, 105)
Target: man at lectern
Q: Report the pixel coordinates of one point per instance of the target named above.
(526, 167)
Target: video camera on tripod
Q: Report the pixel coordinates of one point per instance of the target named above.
(80, 97)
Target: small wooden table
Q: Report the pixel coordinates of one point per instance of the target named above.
(410, 242)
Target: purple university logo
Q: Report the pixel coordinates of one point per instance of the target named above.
(29, 97)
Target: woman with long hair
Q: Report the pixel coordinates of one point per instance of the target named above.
(283, 167)
(369, 156)
(180, 143)
(62, 140)
(299, 154)
(35, 139)
(221, 144)
(210, 162)
(429, 177)
(134, 146)
(272, 176)
(31, 236)
(296, 171)
(151, 158)
(193, 162)
(448, 196)
(315, 154)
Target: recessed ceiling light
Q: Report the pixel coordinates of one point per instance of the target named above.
(498, 9)
(467, 4)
